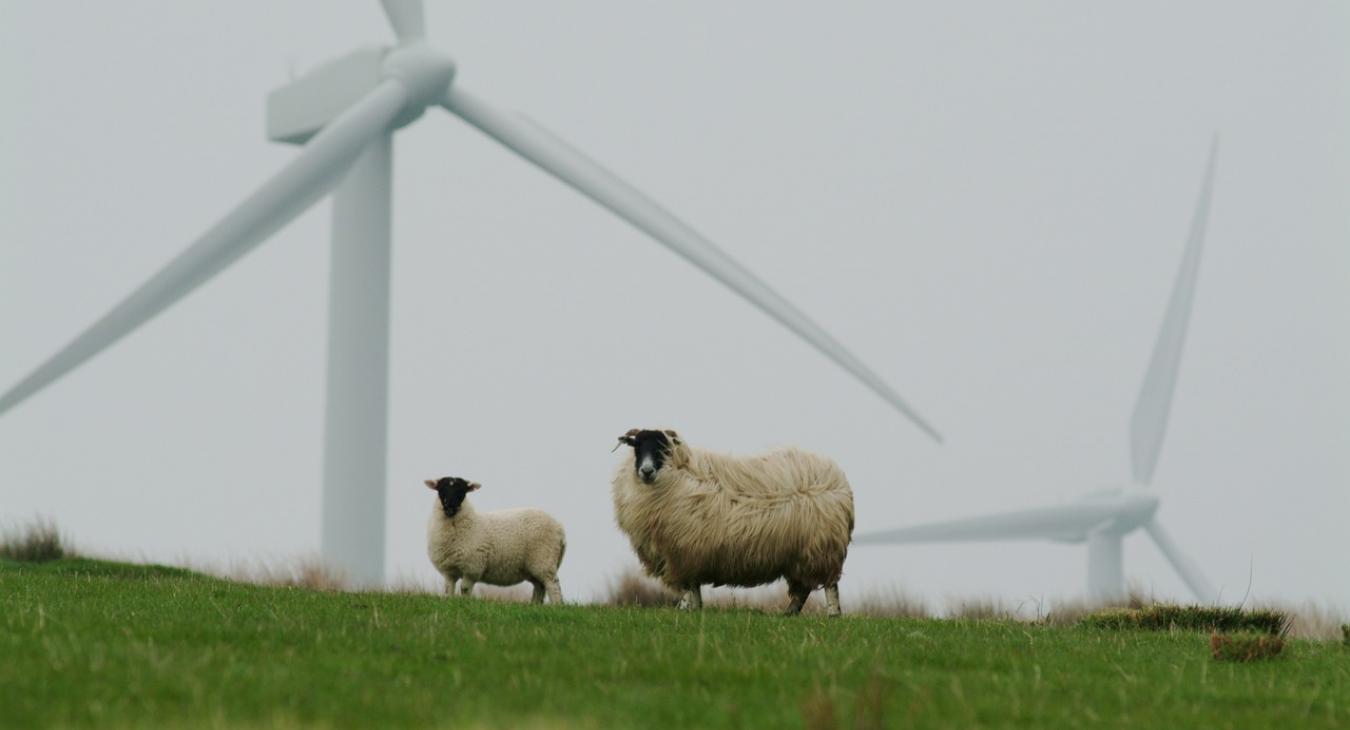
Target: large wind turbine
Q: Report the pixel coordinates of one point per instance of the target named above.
(1103, 519)
(344, 114)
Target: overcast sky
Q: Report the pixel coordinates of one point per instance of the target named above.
(987, 204)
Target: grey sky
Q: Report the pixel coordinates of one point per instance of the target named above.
(986, 204)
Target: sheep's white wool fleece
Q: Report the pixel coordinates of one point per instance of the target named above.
(501, 548)
(741, 521)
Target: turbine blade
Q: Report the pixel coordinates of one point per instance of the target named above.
(569, 165)
(1066, 522)
(301, 182)
(406, 18)
(1190, 575)
(1148, 425)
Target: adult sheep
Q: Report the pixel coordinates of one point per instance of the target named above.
(500, 548)
(695, 517)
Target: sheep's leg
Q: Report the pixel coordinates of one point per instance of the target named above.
(450, 586)
(799, 594)
(538, 595)
(554, 591)
(832, 600)
(466, 586)
(692, 600)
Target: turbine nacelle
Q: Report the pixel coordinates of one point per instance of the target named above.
(297, 111)
(1129, 509)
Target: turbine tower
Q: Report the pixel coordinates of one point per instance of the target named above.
(1103, 519)
(344, 114)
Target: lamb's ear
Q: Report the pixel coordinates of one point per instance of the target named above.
(431, 484)
(474, 487)
(628, 438)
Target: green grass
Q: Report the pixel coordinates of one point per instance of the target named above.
(1168, 617)
(93, 644)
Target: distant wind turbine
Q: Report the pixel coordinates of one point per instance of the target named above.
(1102, 519)
(344, 114)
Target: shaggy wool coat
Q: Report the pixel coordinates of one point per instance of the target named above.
(740, 521)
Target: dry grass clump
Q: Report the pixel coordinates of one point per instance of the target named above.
(37, 542)
(1306, 621)
(818, 712)
(868, 709)
(305, 572)
(1070, 613)
(980, 608)
(1312, 621)
(1246, 646)
(888, 603)
(1169, 617)
(632, 588)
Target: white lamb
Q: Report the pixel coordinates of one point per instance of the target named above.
(696, 517)
(500, 548)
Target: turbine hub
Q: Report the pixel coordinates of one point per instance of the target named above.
(426, 72)
(1133, 507)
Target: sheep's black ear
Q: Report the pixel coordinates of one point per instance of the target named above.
(431, 484)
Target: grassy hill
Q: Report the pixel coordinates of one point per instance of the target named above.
(87, 643)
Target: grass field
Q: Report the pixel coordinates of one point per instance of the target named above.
(87, 643)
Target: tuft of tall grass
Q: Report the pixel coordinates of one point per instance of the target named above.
(1246, 646)
(307, 572)
(1168, 617)
(38, 542)
(980, 608)
(892, 603)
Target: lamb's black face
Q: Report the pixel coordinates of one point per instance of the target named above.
(451, 491)
(650, 451)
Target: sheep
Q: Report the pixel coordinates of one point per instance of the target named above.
(500, 548)
(695, 517)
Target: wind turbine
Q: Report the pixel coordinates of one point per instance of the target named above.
(1102, 519)
(344, 114)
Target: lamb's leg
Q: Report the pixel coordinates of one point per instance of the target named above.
(538, 595)
(832, 600)
(692, 600)
(466, 586)
(554, 591)
(799, 594)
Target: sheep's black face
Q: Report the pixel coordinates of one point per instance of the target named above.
(451, 491)
(651, 449)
